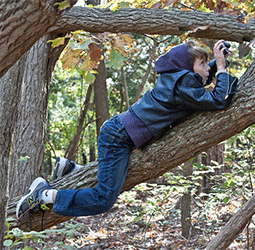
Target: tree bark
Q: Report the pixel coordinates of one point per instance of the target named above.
(186, 202)
(9, 87)
(155, 21)
(145, 78)
(29, 136)
(22, 23)
(101, 96)
(124, 83)
(196, 134)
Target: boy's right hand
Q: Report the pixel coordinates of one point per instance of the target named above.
(219, 55)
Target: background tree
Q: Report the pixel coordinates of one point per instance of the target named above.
(29, 137)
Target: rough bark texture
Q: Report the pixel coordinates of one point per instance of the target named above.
(29, 136)
(186, 203)
(198, 133)
(9, 86)
(101, 96)
(22, 23)
(155, 21)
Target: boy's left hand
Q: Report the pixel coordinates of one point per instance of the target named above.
(219, 55)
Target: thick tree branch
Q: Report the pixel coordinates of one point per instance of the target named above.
(22, 23)
(155, 21)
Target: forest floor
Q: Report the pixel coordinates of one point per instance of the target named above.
(146, 217)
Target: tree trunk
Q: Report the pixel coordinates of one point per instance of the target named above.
(101, 96)
(213, 154)
(22, 23)
(145, 78)
(185, 141)
(155, 21)
(92, 147)
(9, 96)
(124, 82)
(186, 203)
(29, 136)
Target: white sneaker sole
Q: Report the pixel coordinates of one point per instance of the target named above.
(31, 189)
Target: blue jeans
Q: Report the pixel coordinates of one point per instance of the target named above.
(114, 147)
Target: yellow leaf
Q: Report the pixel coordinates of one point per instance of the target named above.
(57, 42)
(86, 64)
(127, 38)
(70, 58)
(184, 36)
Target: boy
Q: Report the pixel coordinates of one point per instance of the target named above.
(179, 91)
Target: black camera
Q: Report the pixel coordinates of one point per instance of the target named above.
(225, 45)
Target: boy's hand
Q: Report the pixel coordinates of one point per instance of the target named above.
(219, 56)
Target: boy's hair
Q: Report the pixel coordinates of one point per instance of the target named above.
(195, 51)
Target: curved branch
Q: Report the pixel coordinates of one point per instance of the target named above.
(155, 21)
(22, 23)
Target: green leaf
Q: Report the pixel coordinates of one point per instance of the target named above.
(116, 59)
(7, 243)
(124, 5)
(63, 5)
(83, 46)
(88, 77)
(226, 199)
(68, 247)
(57, 42)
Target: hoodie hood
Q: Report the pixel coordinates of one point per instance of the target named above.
(177, 58)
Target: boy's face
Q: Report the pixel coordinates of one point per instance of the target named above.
(200, 67)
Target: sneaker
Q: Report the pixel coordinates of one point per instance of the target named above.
(63, 167)
(32, 201)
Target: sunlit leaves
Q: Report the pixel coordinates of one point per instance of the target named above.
(241, 8)
(84, 50)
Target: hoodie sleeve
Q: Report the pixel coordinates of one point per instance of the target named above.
(191, 94)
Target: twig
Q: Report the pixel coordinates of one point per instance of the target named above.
(51, 147)
(248, 236)
(145, 230)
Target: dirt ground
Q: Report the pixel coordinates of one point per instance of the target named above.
(146, 217)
